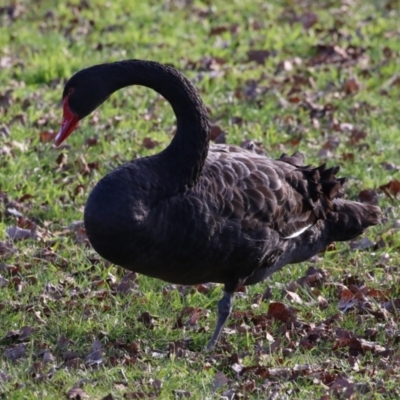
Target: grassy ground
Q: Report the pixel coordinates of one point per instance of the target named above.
(291, 75)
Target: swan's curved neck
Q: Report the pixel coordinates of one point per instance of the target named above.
(184, 157)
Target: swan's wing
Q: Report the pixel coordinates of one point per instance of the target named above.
(283, 195)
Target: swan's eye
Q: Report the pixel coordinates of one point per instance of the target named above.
(70, 91)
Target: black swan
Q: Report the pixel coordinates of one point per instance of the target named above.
(193, 213)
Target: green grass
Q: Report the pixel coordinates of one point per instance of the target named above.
(61, 288)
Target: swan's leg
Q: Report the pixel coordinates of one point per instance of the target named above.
(224, 311)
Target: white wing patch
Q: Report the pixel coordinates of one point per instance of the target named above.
(298, 233)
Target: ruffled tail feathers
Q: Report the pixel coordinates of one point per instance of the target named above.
(349, 219)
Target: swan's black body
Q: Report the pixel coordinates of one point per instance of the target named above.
(191, 214)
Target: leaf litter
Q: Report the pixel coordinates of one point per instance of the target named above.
(358, 329)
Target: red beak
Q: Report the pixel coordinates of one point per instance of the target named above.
(69, 123)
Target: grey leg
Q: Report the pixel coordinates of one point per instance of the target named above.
(224, 310)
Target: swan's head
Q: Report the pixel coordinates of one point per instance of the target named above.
(82, 94)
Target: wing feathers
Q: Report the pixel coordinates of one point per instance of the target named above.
(283, 195)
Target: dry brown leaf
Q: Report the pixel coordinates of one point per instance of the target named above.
(146, 319)
(182, 394)
(212, 63)
(333, 54)
(393, 306)
(135, 395)
(47, 136)
(322, 302)
(26, 223)
(281, 312)
(20, 335)
(368, 196)
(357, 135)
(378, 294)
(25, 197)
(215, 131)
(62, 160)
(6, 100)
(149, 143)
(16, 233)
(351, 86)
(63, 343)
(95, 357)
(108, 397)
(19, 118)
(314, 277)
(81, 237)
(362, 244)
(177, 348)
(15, 352)
(4, 377)
(77, 394)
(219, 30)
(48, 358)
(75, 363)
(347, 300)
(391, 189)
(219, 380)
(128, 283)
(259, 56)
(3, 281)
(293, 297)
(92, 141)
(342, 387)
(6, 249)
(308, 19)
(348, 156)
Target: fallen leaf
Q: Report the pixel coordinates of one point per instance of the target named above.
(347, 300)
(220, 29)
(393, 306)
(149, 143)
(95, 357)
(3, 281)
(281, 312)
(48, 358)
(47, 136)
(146, 319)
(77, 393)
(15, 352)
(108, 397)
(127, 284)
(20, 335)
(4, 377)
(314, 277)
(342, 387)
(259, 56)
(362, 244)
(351, 86)
(182, 394)
(368, 196)
(219, 380)
(293, 297)
(391, 189)
(308, 19)
(357, 135)
(6, 249)
(177, 348)
(75, 363)
(62, 160)
(16, 233)
(92, 141)
(135, 395)
(215, 131)
(322, 303)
